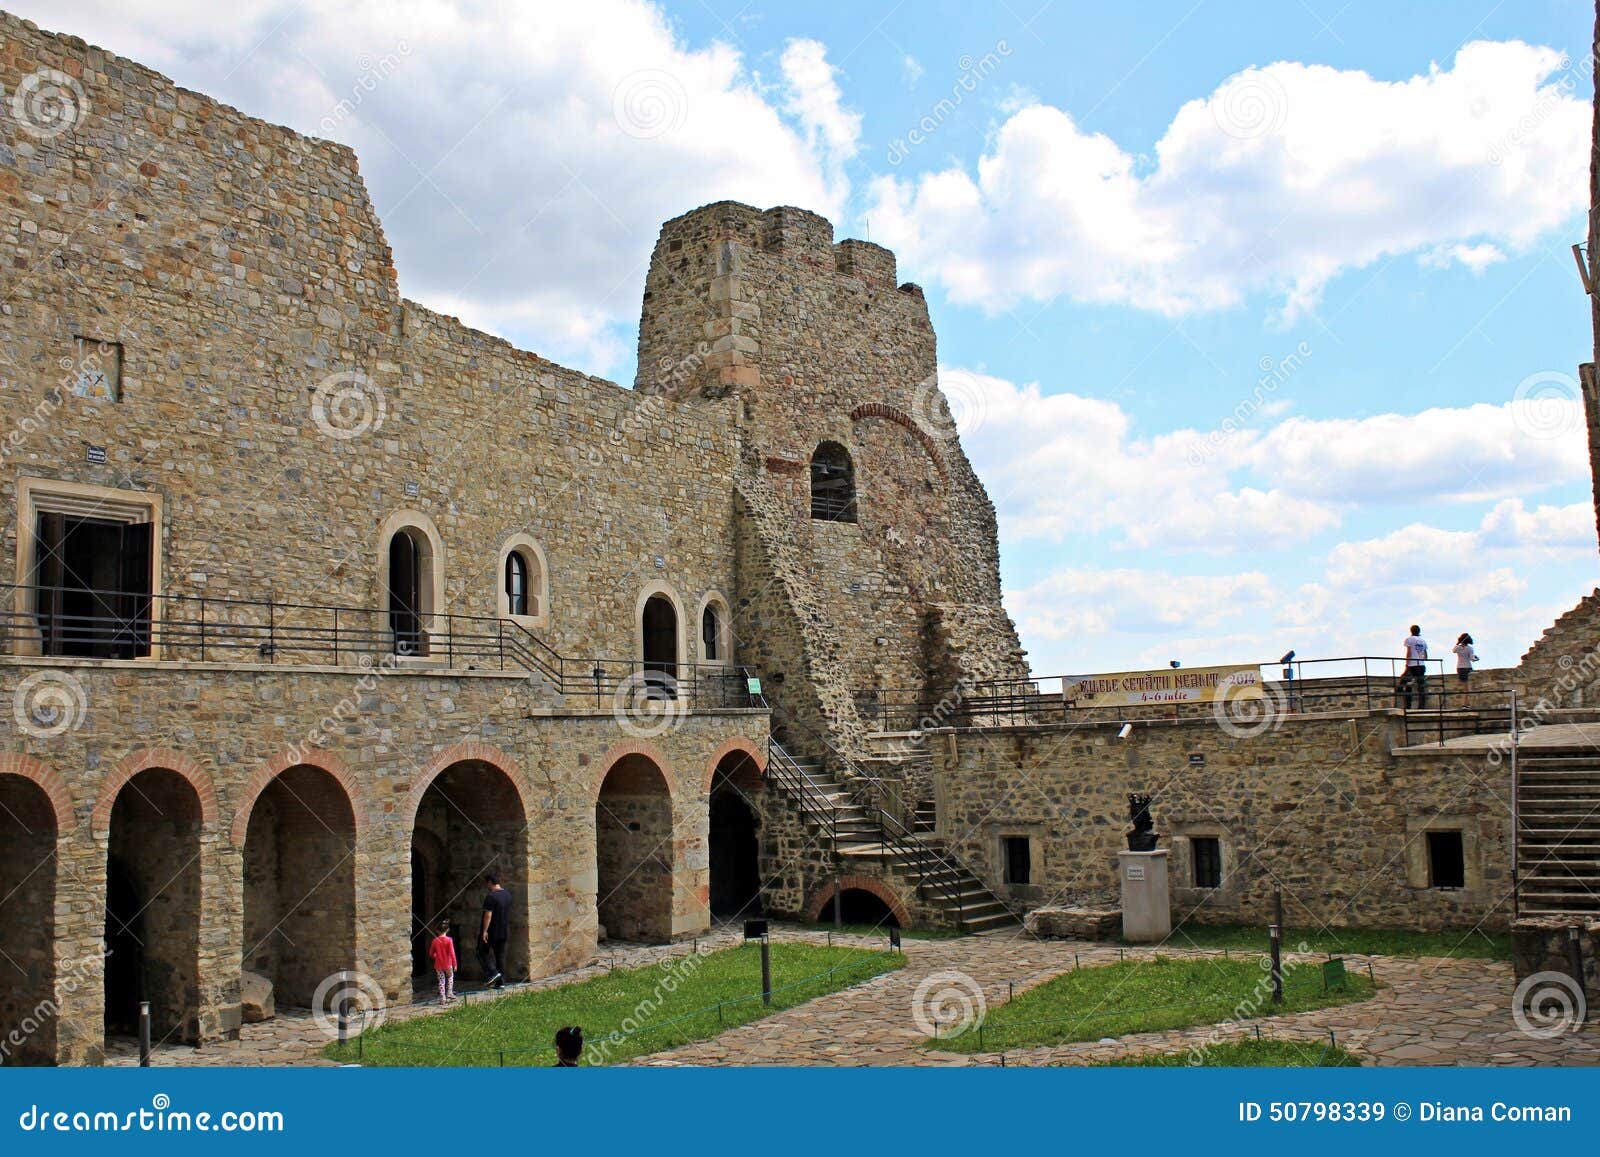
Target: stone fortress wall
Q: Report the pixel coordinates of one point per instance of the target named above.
(281, 415)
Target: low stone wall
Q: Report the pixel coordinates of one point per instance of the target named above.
(1075, 923)
(1543, 944)
(1317, 805)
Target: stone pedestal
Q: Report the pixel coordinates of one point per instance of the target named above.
(1146, 904)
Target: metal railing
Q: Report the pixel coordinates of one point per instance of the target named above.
(103, 624)
(1441, 708)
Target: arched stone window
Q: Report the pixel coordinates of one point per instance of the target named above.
(524, 582)
(410, 579)
(659, 637)
(833, 484)
(716, 631)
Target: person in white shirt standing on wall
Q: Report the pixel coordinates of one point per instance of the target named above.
(1465, 658)
(1416, 668)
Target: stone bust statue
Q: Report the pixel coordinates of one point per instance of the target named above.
(1142, 836)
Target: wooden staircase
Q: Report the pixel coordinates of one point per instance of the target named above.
(868, 838)
(1558, 832)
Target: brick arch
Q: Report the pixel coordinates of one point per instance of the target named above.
(634, 747)
(145, 759)
(52, 784)
(737, 743)
(878, 888)
(282, 762)
(900, 418)
(468, 753)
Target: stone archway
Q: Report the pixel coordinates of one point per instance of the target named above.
(733, 838)
(470, 821)
(299, 883)
(634, 857)
(28, 835)
(153, 909)
(868, 899)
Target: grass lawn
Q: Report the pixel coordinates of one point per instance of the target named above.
(685, 990)
(883, 931)
(1368, 941)
(1146, 996)
(1247, 1054)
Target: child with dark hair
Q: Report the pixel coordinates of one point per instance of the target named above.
(443, 952)
(1465, 657)
(569, 1047)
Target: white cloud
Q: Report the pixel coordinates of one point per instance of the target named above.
(1063, 464)
(1283, 178)
(911, 70)
(522, 156)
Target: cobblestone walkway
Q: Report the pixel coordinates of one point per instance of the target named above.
(1429, 1012)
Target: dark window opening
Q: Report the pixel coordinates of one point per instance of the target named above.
(1019, 859)
(405, 593)
(1447, 861)
(516, 584)
(660, 630)
(833, 484)
(1207, 861)
(93, 578)
(708, 633)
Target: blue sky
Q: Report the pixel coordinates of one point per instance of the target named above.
(1127, 219)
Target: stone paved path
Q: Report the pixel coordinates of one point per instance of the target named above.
(1429, 1011)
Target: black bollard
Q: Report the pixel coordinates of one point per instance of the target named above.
(1277, 963)
(144, 1034)
(766, 972)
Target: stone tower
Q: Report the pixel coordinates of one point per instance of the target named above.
(868, 560)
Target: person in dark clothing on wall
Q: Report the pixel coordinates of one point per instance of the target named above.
(494, 932)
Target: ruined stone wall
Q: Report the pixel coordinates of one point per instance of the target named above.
(283, 401)
(1317, 806)
(1562, 668)
(228, 731)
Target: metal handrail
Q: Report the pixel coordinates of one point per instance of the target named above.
(120, 624)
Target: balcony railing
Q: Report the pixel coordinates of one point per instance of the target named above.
(103, 624)
(1448, 707)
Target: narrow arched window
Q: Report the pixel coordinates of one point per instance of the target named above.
(833, 484)
(709, 629)
(517, 583)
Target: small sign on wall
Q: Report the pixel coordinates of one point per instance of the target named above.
(96, 454)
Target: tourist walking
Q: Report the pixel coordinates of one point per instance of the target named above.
(569, 1047)
(1416, 668)
(443, 951)
(494, 932)
(1465, 658)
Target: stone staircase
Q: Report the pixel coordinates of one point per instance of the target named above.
(1558, 831)
(871, 839)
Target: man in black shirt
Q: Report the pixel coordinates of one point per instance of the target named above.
(496, 930)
